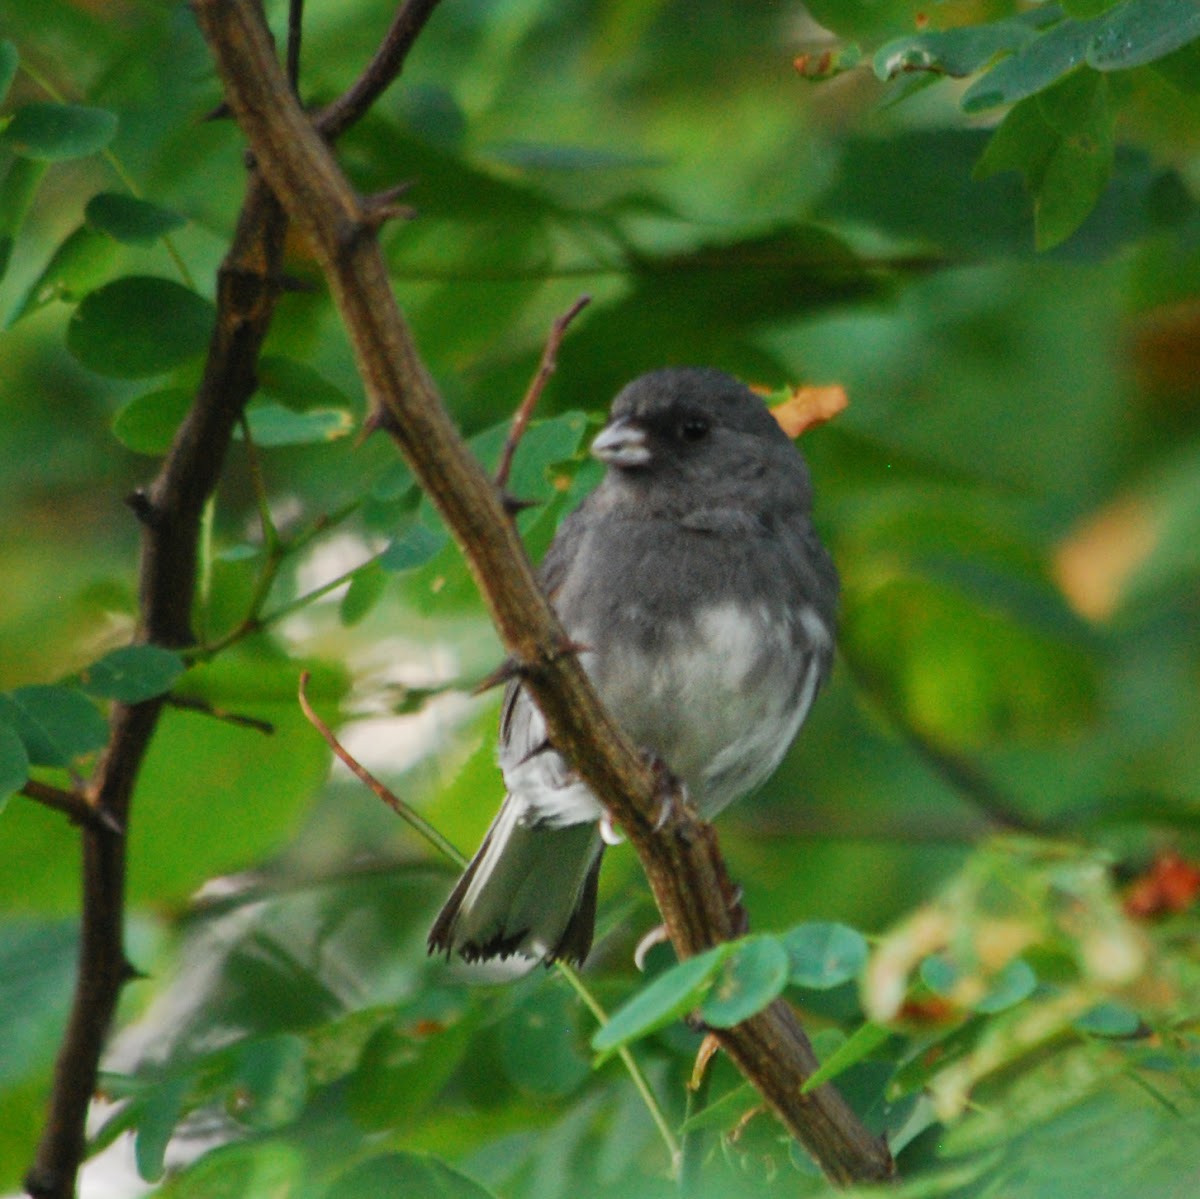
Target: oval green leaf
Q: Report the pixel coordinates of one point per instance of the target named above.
(750, 977)
(14, 762)
(139, 325)
(671, 995)
(822, 954)
(415, 1174)
(539, 1046)
(272, 425)
(1141, 31)
(147, 424)
(130, 219)
(53, 132)
(56, 724)
(412, 548)
(270, 1082)
(9, 58)
(79, 264)
(1109, 1019)
(1016, 982)
(159, 1110)
(133, 673)
(366, 587)
(296, 385)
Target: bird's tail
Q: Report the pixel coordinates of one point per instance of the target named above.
(529, 891)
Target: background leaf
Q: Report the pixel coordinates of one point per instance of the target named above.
(138, 326)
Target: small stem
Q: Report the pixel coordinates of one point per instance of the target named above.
(537, 385)
(295, 25)
(636, 1074)
(442, 844)
(71, 803)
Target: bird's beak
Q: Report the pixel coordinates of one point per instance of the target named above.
(621, 443)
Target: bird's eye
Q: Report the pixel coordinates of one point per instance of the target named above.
(694, 428)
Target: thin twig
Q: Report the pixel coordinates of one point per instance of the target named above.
(448, 849)
(295, 28)
(381, 790)
(379, 73)
(188, 703)
(72, 804)
(537, 385)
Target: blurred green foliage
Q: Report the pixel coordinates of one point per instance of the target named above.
(981, 220)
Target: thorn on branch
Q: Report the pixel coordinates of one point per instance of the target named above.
(381, 207)
(537, 385)
(514, 506)
(130, 973)
(140, 504)
(293, 283)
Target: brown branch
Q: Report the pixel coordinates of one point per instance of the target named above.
(681, 860)
(169, 511)
(546, 367)
(72, 804)
(379, 73)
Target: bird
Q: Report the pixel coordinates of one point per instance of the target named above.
(703, 606)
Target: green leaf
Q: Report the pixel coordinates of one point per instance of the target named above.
(546, 443)
(296, 385)
(52, 132)
(17, 190)
(272, 425)
(955, 52)
(665, 999)
(259, 1169)
(14, 762)
(751, 975)
(158, 1111)
(79, 264)
(395, 482)
(853, 1050)
(1013, 984)
(133, 673)
(1141, 31)
(139, 325)
(130, 219)
(415, 1174)
(147, 424)
(37, 969)
(824, 955)
(405, 1064)
(366, 587)
(1038, 65)
(415, 546)
(57, 724)
(270, 1082)
(1062, 142)
(539, 1044)
(9, 60)
(1109, 1019)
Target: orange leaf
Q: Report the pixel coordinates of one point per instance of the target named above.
(808, 407)
(1170, 885)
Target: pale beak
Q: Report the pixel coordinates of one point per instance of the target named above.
(621, 443)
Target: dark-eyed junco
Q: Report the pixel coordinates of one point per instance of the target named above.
(707, 606)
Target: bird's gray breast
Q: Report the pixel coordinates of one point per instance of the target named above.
(719, 694)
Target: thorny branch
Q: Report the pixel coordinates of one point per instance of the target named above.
(681, 858)
(249, 283)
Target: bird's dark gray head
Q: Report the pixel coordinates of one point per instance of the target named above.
(702, 429)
